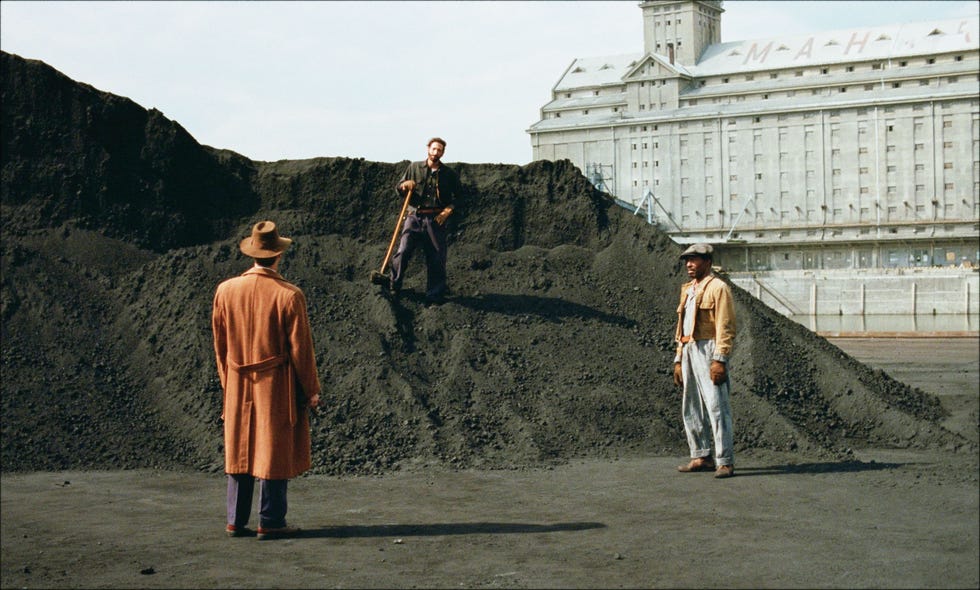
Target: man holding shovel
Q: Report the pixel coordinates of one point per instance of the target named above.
(430, 189)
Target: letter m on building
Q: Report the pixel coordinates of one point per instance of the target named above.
(757, 55)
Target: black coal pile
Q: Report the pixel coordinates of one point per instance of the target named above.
(556, 343)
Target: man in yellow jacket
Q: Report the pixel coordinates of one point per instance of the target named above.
(705, 335)
(267, 367)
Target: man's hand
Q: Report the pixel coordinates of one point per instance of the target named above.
(718, 372)
(444, 215)
(407, 185)
(314, 401)
(678, 375)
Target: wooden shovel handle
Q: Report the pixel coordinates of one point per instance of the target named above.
(394, 235)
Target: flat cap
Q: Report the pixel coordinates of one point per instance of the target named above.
(701, 249)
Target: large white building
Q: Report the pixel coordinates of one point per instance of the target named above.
(848, 149)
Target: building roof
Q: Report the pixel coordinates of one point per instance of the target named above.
(875, 43)
(597, 71)
(846, 45)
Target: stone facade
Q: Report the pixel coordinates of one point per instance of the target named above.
(855, 148)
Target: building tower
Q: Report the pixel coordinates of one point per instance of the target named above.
(681, 30)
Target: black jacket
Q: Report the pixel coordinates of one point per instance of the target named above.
(435, 190)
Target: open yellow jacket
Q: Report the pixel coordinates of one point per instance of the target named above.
(266, 363)
(715, 317)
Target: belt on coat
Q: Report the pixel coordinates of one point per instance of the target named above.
(263, 365)
(427, 211)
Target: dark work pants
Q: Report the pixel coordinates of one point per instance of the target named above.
(422, 229)
(272, 501)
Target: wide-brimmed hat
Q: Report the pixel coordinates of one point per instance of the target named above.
(703, 250)
(265, 241)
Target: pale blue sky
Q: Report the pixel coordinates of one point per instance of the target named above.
(373, 80)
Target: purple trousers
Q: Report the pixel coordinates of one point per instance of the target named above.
(422, 230)
(272, 501)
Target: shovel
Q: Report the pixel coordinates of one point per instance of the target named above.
(378, 277)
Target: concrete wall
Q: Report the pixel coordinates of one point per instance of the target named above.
(905, 291)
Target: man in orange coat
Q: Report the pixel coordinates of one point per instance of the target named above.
(268, 372)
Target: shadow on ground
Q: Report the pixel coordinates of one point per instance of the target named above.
(430, 530)
(815, 468)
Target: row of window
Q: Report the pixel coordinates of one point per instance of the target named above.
(890, 191)
(949, 191)
(823, 71)
(862, 214)
(835, 151)
(823, 91)
(832, 114)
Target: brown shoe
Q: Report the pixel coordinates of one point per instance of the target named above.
(277, 533)
(698, 464)
(233, 531)
(724, 471)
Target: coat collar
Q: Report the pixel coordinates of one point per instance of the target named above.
(699, 285)
(262, 271)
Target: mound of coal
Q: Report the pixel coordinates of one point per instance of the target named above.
(557, 342)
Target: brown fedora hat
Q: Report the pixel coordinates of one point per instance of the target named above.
(265, 241)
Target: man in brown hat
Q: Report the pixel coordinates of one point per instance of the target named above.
(705, 335)
(268, 372)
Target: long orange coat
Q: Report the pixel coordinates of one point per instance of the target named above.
(267, 367)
